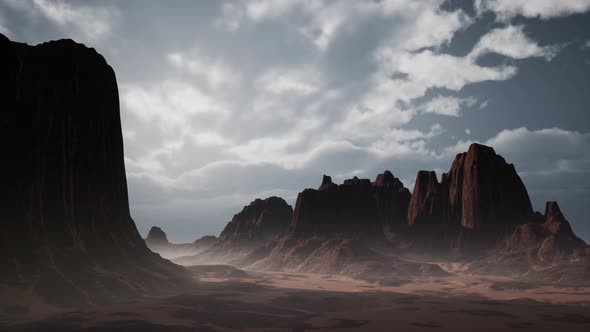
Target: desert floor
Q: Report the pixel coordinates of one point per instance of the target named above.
(227, 299)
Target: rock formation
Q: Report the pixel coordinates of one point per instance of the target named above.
(355, 207)
(544, 249)
(156, 237)
(478, 202)
(158, 242)
(479, 190)
(260, 221)
(549, 241)
(249, 230)
(67, 230)
(426, 206)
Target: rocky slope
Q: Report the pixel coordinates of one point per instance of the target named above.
(479, 212)
(252, 228)
(340, 229)
(158, 242)
(67, 231)
(479, 200)
(545, 249)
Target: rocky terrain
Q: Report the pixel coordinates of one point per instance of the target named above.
(249, 231)
(479, 215)
(158, 242)
(67, 234)
(362, 255)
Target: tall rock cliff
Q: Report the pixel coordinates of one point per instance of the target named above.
(64, 205)
(478, 202)
(484, 190)
(480, 190)
(357, 206)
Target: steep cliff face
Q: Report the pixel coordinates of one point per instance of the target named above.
(392, 199)
(64, 209)
(483, 189)
(355, 206)
(480, 191)
(426, 206)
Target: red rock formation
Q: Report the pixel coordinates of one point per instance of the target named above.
(485, 190)
(392, 199)
(551, 245)
(355, 206)
(559, 238)
(480, 190)
(259, 222)
(249, 230)
(426, 206)
(64, 205)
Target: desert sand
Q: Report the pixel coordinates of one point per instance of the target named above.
(229, 299)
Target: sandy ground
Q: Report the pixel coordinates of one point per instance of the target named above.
(227, 299)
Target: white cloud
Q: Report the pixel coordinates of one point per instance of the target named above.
(324, 19)
(538, 152)
(544, 9)
(215, 73)
(447, 105)
(434, 28)
(93, 22)
(171, 105)
(511, 41)
(302, 82)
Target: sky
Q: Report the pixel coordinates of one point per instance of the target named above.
(226, 101)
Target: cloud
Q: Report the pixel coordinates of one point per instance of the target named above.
(544, 9)
(93, 22)
(301, 82)
(512, 42)
(447, 105)
(215, 73)
(324, 20)
(538, 152)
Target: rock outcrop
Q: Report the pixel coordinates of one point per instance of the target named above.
(547, 242)
(158, 242)
(340, 229)
(156, 237)
(426, 206)
(481, 189)
(357, 206)
(260, 222)
(544, 249)
(479, 200)
(66, 226)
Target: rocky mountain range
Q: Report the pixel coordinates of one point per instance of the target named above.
(479, 213)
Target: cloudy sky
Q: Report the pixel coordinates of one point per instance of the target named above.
(226, 101)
